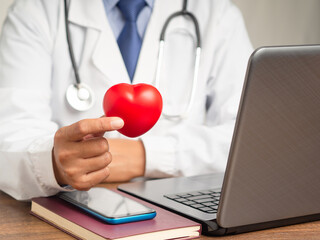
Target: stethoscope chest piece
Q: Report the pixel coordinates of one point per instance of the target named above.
(80, 97)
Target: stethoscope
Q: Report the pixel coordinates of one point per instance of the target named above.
(81, 97)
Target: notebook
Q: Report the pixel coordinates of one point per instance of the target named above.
(273, 167)
(77, 223)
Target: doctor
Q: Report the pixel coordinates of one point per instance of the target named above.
(46, 144)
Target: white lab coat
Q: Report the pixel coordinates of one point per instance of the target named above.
(35, 71)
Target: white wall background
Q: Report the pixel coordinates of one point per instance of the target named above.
(269, 22)
(280, 22)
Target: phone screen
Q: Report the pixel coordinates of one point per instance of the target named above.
(106, 203)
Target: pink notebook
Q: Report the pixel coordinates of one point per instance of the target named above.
(166, 225)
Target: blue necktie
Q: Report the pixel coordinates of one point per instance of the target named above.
(129, 40)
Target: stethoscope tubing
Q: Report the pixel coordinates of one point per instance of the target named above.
(70, 47)
(183, 12)
(80, 104)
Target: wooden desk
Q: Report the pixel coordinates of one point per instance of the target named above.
(17, 224)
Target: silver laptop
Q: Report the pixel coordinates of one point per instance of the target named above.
(273, 173)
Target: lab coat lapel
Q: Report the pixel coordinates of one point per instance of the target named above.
(106, 55)
(146, 66)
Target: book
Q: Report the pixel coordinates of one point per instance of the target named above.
(77, 223)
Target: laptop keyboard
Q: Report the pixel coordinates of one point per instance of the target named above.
(206, 201)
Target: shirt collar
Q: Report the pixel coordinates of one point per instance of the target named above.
(110, 4)
(150, 3)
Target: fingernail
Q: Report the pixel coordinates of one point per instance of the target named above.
(117, 123)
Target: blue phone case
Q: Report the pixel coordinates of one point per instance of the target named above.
(135, 218)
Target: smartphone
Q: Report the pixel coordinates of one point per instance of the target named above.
(108, 206)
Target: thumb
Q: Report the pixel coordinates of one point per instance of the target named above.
(95, 135)
(79, 130)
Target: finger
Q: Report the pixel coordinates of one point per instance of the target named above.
(89, 136)
(78, 130)
(94, 135)
(92, 147)
(94, 164)
(96, 177)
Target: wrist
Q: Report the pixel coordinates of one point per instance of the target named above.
(56, 171)
(141, 160)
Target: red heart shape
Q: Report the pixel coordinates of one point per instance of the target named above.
(138, 105)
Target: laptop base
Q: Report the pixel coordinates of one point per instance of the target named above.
(211, 227)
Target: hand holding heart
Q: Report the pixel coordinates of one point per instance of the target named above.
(80, 154)
(138, 105)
